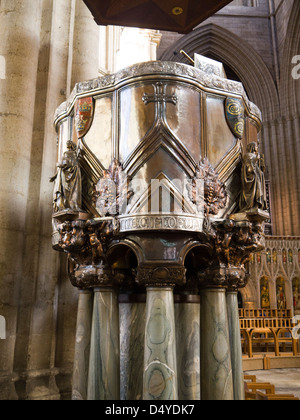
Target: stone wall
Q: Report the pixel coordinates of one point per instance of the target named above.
(44, 54)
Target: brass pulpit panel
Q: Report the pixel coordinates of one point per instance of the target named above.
(99, 138)
(219, 138)
(160, 121)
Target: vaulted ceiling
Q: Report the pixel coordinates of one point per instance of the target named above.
(170, 15)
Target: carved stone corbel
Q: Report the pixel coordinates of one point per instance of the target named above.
(85, 242)
(232, 244)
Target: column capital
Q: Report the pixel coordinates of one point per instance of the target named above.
(230, 278)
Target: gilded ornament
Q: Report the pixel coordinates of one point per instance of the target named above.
(84, 110)
(234, 111)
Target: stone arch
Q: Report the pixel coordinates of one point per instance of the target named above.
(290, 87)
(124, 255)
(239, 56)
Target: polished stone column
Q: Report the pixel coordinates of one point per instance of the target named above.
(187, 316)
(216, 370)
(235, 345)
(132, 340)
(160, 365)
(82, 345)
(104, 367)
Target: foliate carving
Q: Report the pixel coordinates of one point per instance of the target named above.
(161, 276)
(112, 194)
(206, 189)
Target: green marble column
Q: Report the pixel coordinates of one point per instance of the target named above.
(132, 341)
(216, 371)
(187, 316)
(104, 367)
(235, 345)
(160, 366)
(82, 345)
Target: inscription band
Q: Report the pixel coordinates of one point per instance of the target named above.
(161, 222)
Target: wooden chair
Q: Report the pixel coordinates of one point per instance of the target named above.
(269, 388)
(251, 389)
(261, 396)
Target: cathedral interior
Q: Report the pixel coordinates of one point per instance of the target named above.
(150, 199)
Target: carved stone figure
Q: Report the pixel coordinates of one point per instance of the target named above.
(253, 180)
(233, 242)
(67, 187)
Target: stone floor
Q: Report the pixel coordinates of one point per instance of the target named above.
(286, 381)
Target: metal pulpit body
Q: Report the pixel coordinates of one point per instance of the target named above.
(160, 150)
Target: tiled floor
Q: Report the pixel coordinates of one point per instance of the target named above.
(286, 381)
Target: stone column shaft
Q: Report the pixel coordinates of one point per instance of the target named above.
(104, 366)
(235, 345)
(216, 371)
(188, 350)
(160, 365)
(82, 345)
(132, 340)
(20, 25)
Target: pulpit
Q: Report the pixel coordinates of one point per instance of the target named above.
(158, 202)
